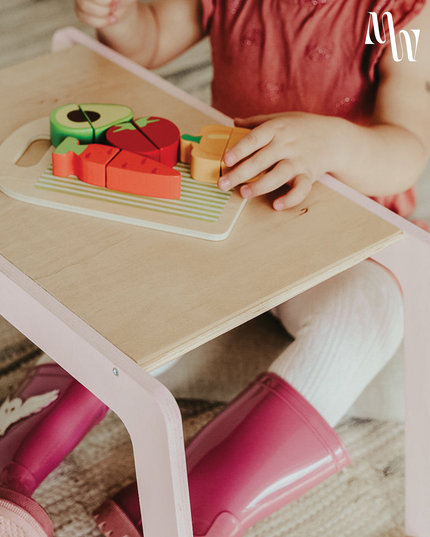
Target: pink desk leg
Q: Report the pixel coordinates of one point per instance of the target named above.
(409, 260)
(146, 407)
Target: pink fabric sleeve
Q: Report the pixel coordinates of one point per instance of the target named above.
(402, 204)
(208, 8)
(403, 11)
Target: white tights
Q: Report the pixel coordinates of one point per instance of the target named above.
(345, 330)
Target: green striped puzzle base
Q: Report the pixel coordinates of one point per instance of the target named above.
(198, 201)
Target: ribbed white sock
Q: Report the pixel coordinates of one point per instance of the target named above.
(345, 330)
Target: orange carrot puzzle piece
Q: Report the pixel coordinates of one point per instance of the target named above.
(110, 167)
(87, 162)
(129, 172)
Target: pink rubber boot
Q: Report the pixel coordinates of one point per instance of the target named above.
(40, 424)
(266, 449)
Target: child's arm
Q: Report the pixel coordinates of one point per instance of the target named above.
(151, 34)
(382, 159)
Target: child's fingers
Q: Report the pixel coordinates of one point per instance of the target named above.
(97, 22)
(253, 141)
(301, 186)
(95, 13)
(88, 4)
(249, 168)
(272, 180)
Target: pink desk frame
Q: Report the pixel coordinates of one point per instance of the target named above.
(108, 373)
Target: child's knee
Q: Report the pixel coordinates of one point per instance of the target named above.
(363, 302)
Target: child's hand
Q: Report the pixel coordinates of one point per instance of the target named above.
(149, 33)
(297, 148)
(102, 13)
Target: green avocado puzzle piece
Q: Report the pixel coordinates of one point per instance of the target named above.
(69, 120)
(104, 116)
(86, 122)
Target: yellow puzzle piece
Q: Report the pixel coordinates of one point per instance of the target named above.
(205, 152)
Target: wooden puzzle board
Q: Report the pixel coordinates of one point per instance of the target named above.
(203, 210)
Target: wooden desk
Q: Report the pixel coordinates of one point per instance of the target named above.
(111, 302)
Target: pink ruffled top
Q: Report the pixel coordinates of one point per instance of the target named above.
(300, 55)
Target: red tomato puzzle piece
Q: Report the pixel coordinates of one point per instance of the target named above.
(164, 134)
(154, 137)
(128, 136)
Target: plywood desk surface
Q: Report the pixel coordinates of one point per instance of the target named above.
(152, 294)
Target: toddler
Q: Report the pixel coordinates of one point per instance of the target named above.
(318, 99)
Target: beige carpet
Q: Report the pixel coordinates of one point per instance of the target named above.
(364, 500)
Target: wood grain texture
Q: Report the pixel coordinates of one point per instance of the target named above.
(152, 294)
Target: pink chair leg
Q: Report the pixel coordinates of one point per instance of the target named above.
(410, 262)
(146, 407)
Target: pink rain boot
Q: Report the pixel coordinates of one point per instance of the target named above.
(120, 517)
(266, 449)
(39, 425)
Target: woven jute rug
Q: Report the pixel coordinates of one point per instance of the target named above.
(364, 500)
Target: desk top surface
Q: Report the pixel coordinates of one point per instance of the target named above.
(155, 295)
